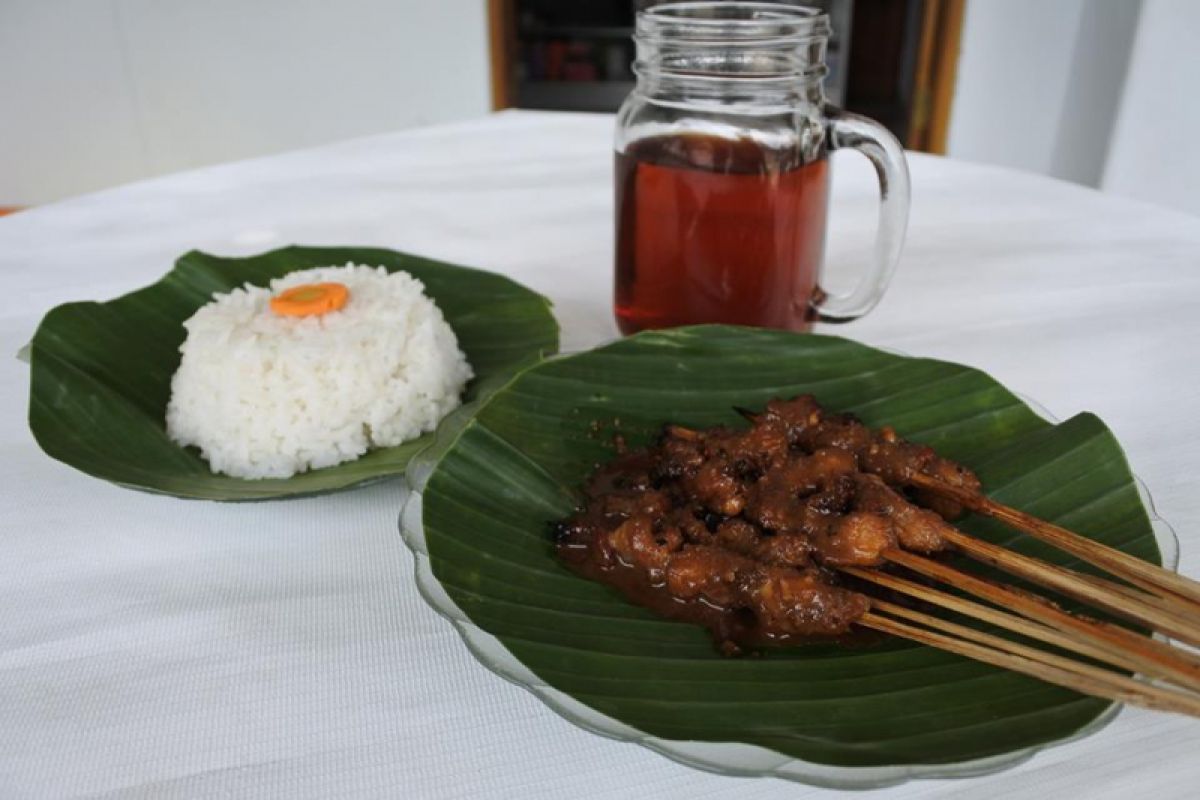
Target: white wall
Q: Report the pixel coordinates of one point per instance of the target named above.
(1099, 63)
(1039, 84)
(1155, 152)
(1012, 80)
(99, 92)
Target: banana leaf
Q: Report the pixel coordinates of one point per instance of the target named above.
(845, 716)
(101, 372)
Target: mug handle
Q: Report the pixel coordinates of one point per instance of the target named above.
(874, 141)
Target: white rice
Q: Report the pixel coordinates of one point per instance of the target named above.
(268, 396)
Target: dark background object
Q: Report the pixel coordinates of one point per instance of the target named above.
(573, 56)
(892, 60)
(881, 65)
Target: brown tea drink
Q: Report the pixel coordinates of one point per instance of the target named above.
(717, 230)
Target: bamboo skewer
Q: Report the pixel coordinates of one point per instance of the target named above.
(1169, 586)
(1149, 596)
(1141, 573)
(1180, 654)
(1029, 661)
(1003, 619)
(1101, 593)
(1171, 605)
(1151, 657)
(1188, 701)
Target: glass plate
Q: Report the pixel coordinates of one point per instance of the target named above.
(725, 758)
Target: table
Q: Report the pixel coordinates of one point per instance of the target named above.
(158, 647)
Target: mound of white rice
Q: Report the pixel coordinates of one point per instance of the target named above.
(268, 396)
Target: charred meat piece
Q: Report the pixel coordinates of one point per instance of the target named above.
(880, 452)
(859, 540)
(636, 544)
(790, 602)
(917, 529)
(700, 572)
(716, 487)
(743, 531)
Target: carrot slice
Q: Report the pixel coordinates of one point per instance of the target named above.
(310, 299)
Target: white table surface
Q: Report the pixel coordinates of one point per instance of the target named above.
(153, 647)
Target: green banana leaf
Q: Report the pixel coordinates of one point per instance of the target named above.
(491, 485)
(101, 372)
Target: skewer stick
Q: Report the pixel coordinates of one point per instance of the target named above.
(1148, 576)
(1128, 604)
(994, 616)
(680, 432)
(1151, 657)
(1171, 605)
(1182, 655)
(1048, 667)
(1042, 656)
(1151, 577)
(747, 414)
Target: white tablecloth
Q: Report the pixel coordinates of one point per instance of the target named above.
(152, 647)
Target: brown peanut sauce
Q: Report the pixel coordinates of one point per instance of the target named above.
(743, 531)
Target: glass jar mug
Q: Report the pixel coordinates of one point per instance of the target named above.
(722, 172)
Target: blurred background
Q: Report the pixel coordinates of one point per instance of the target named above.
(94, 93)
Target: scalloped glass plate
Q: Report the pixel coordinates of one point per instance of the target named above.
(724, 757)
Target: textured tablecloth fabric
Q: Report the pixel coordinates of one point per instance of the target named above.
(154, 647)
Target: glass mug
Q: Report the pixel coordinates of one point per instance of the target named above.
(722, 172)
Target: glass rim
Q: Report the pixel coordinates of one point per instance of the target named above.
(735, 19)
